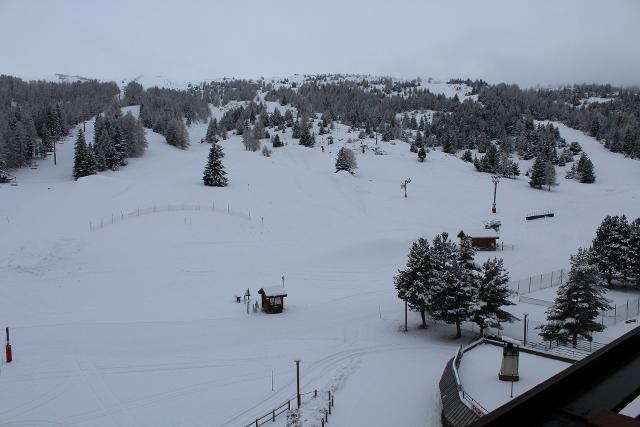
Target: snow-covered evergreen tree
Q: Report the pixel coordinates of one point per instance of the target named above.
(611, 248)
(491, 294)
(422, 154)
(214, 173)
(81, 159)
(346, 160)
(537, 178)
(275, 140)
(412, 282)
(451, 285)
(549, 175)
(176, 133)
(4, 170)
(580, 301)
(585, 172)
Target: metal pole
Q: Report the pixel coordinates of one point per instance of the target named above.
(405, 315)
(298, 382)
(283, 281)
(524, 337)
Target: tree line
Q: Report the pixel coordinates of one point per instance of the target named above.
(35, 114)
(116, 138)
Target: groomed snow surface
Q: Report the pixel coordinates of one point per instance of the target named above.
(136, 324)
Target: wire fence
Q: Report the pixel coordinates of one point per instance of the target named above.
(537, 282)
(620, 312)
(169, 207)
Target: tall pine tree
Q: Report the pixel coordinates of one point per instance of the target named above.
(580, 300)
(537, 173)
(82, 165)
(214, 173)
(491, 294)
(412, 282)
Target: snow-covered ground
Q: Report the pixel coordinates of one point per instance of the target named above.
(136, 323)
(479, 370)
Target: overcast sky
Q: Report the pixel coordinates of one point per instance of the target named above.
(526, 42)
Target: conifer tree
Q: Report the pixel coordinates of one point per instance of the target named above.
(81, 160)
(549, 174)
(346, 160)
(584, 170)
(4, 171)
(411, 283)
(451, 284)
(610, 248)
(580, 300)
(422, 154)
(491, 294)
(277, 142)
(214, 173)
(537, 173)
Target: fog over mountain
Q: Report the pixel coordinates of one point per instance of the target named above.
(523, 42)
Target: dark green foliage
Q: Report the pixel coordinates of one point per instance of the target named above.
(413, 282)
(537, 176)
(610, 248)
(422, 154)
(580, 300)
(492, 293)
(346, 160)
(214, 173)
(276, 141)
(83, 164)
(584, 171)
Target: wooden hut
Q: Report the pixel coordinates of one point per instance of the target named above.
(273, 299)
(481, 239)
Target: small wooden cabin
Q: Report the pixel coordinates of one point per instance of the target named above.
(273, 299)
(481, 239)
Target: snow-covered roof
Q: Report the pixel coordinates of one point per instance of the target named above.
(274, 291)
(479, 369)
(480, 232)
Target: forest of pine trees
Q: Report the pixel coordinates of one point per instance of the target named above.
(441, 280)
(35, 114)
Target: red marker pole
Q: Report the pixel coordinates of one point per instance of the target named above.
(8, 351)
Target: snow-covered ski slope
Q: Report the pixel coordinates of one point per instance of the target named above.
(136, 324)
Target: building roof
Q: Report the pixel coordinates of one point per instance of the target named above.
(273, 291)
(591, 392)
(479, 232)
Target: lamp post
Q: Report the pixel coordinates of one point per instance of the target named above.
(524, 335)
(495, 179)
(298, 382)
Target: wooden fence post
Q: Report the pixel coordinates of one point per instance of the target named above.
(274, 415)
(257, 422)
